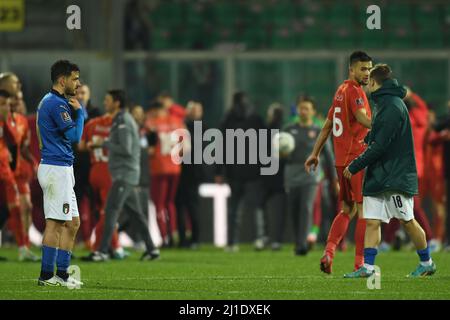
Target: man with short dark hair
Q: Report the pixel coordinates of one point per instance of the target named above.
(57, 131)
(390, 182)
(124, 166)
(349, 120)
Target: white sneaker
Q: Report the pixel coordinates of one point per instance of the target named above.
(70, 283)
(52, 282)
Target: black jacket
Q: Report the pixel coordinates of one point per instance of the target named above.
(240, 119)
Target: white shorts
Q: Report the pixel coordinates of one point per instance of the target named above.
(57, 182)
(388, 205)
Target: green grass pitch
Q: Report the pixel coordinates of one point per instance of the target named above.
(211, 273)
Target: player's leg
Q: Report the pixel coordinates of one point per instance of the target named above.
(172, 187)
(374, 211)
(418, 237)
(402, 208)
(360, 232)
(16, 223)
(293, 203)
(308, 194)
(114, 204)
(341, 221)
(158, 194)
(50, 243)
(237, 190)
(67, 239)
(26, 210)
(133, 206)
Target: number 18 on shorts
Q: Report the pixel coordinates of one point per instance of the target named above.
(388, 205)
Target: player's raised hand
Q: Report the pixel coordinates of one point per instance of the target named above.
(311, 163)
(75, 103)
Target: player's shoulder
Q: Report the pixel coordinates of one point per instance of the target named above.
(53, 102)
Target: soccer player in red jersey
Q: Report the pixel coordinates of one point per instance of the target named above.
(99, 176)
(349, 120)
(164, 172)
(25, 170)
(9, 140)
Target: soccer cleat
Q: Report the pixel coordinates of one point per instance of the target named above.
(423, 271)
(326, 264)
(149, 256)
(70, 283)
(52, 282)
(96, 256)
(360, 273)
(232, 248)
(120, 254)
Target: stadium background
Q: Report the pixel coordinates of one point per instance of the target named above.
(205, 50)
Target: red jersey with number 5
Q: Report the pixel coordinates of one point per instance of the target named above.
(348, 133)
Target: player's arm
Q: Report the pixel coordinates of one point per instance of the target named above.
(313, 159)
(384, 130)
(25, 150)
(362, 118)
(125, 143)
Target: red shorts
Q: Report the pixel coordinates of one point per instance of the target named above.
(350, 190)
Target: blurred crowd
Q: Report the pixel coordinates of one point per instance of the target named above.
(308, 201)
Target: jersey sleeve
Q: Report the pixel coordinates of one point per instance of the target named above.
(61, 116)
(355, 100)
(330, 113)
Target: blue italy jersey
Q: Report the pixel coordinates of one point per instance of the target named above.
(54, 117)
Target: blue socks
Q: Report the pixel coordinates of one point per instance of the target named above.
(48, 262)
(424, 255)
(369, 258)
(63, 263)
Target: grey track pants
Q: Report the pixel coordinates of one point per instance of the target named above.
(123, 195)
(300, 207)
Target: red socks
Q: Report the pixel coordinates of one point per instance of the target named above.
(337, 232)
(360, 233)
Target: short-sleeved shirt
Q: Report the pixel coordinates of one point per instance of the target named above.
(161, 162)
(348, 133)
(54, 118)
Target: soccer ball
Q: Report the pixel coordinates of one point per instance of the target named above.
(283, 143)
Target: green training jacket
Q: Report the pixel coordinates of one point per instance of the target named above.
(389, 157)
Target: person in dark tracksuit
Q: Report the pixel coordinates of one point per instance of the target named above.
(187, 198)
(244, 179)
(124, 166)
(274, 193)
(301, 187)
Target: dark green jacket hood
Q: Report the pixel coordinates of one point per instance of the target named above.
(389, 88)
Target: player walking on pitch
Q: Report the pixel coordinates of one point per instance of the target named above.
(59, 125)
(390, 182)
(349, 120)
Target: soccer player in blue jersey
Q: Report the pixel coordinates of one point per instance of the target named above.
(60, 122)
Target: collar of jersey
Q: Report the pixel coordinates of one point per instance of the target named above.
(58, 94)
